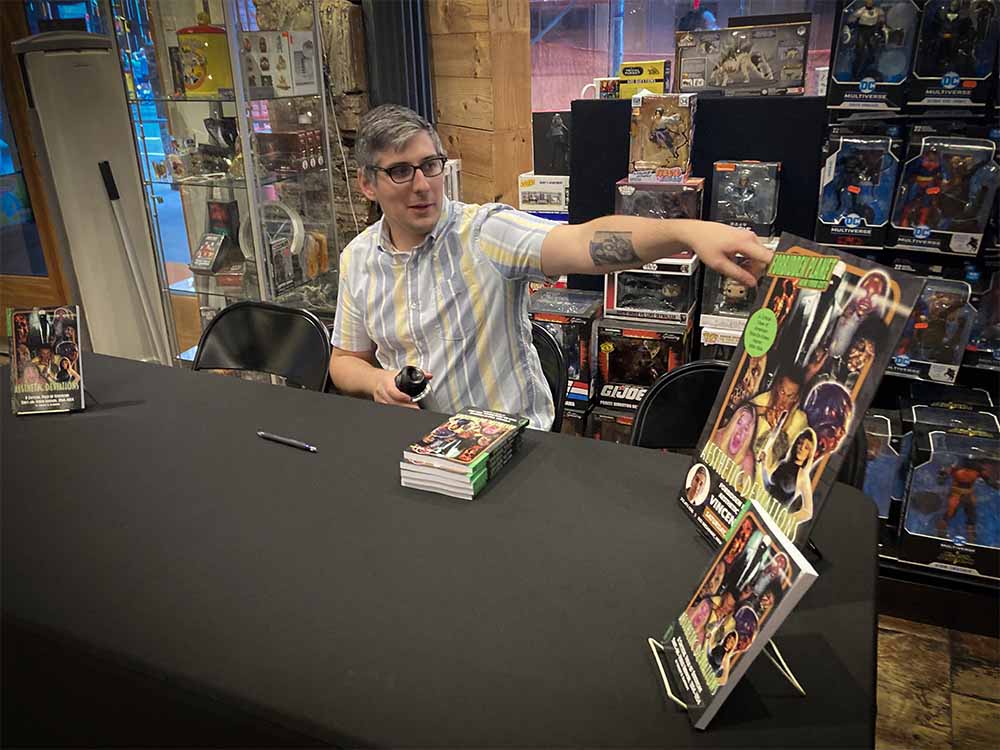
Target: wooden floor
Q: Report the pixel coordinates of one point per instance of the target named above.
(938, 689)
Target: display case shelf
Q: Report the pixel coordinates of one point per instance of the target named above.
(229, 183)
(138, 100)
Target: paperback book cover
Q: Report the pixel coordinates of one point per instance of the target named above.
(46, 367)
(811, 356)
(749, 589)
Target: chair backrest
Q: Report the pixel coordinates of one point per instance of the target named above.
(263, 337)
(676, 407)
(674, 411)
(554, 369)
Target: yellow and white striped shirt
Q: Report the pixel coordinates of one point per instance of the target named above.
(455, 306)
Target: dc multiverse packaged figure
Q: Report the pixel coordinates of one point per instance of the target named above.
(934, 338)
(956, 54)
(856, 188)
(945, 195)
(666, 289)
(762, 60)
(662, 134)
(983, 349)
(952, 511)
(569, 315)
(745, 194)
(874, 49)
(885, 477)
(660, 200)
(611, 425)
(631, 355)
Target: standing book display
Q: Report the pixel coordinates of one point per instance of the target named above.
(46, 370)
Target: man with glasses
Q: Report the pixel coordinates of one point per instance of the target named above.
(443, 285)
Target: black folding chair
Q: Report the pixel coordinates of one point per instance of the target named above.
(263, 337)
(554, 369)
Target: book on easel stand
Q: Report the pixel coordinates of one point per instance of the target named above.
(750, 587)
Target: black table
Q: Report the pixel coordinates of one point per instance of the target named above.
(313, 595)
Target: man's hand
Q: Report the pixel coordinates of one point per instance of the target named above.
(386, 392)
(718, 244)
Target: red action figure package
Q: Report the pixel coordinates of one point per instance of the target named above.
(945, 195)
(660, 200)
(934, 338)
(666, 289)
(569, 315)
(632, 355)
(956, 55)
(611, 425)
(952, 514)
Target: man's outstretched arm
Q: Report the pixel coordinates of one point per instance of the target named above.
(615, 243)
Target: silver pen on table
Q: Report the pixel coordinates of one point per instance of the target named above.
(286, 441)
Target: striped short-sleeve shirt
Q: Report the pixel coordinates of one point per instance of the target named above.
(455, 306)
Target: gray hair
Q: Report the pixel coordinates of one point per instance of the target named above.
(390, 127)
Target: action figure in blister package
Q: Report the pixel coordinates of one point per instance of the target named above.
(936, 333)
(984, 340)
(660, 201)
(956, 494)
(947, 187)
(861, 188)
(956, 53)
(884, 479)
(745, 194)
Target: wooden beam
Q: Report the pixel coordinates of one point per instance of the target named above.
(463, 16)
(463, 56)
(465, 101)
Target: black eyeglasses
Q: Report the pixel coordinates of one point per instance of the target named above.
(403, 173)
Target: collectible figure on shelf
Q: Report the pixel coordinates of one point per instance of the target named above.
(569, 316)
(551, 137)
(632, 355)
(945, 195)
(856, 189)
(956, 52)
(660, 201)
(661, 138)
(936, 333)
(726, 303)
(884, 476)
(736, 298)
(745, 194)
(983, 350)
(662, 290)
(765, 60)
(952, 513)
(874, 49)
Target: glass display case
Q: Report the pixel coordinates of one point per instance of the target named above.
(230, 123)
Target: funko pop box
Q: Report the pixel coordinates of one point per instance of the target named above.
(666, 289)
(569, 315)
(631, 355)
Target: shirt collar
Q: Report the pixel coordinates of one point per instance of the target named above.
(385, 241)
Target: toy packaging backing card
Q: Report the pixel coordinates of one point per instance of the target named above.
(575, 420)
(952, 513)
(874, 49)
(810, 359)
(956, 53)
(569, 315)
(764, 60)
(661, 200)
(934, 339)
(636, 75)
(611, 425)
(632, 355)
(856, 186)
(666, 289)
(661, 138)
(885, 478)
(551, 135)
(725, 302)
(745, 194)
(945, 195)
(719, 344)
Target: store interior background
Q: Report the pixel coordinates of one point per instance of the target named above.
(938, 688)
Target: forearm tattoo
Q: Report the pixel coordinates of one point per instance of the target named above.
(612, 249)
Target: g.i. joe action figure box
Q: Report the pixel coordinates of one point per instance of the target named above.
(951, 517)
(875, 45)
(569, 315)
(662, 138)
(766, 60)
(631, 355)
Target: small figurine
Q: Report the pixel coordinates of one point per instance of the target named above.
(962, 493)
(735, 296)
(558, 138)
(660, 132)
(741, 199)
(866, 32)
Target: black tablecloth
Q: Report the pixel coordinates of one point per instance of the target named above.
(313, 589)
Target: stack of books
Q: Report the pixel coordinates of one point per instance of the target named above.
(461, 456)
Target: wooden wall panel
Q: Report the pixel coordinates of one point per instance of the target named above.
(462, 16)
(463, 56)
(465, 101)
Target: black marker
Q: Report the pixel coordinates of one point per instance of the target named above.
(286, 441)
